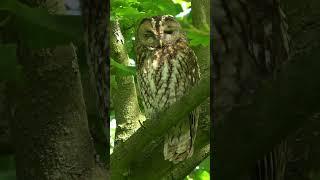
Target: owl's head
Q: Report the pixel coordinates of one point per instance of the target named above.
(159, 31)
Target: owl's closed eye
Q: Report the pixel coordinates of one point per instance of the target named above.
(155, 32)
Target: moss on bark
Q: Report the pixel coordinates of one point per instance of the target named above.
(127, 112)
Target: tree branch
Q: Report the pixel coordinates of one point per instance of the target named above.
(279, 109)
(202, 150)
(146, 168)
(125, 99)
(125, 154)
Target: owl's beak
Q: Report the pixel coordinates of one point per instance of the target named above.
(160, 42)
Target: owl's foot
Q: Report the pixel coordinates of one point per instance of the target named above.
(141, 124)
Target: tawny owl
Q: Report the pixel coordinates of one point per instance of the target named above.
(167, 69)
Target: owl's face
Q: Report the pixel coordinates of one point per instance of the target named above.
(159, 31)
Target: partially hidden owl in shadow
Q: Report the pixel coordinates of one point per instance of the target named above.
(166, 69)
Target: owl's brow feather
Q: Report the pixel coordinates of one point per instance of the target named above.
(157, 21)
(158, 18)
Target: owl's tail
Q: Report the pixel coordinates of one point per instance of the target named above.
(178, 142)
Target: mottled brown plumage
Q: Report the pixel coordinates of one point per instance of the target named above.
(167, 69)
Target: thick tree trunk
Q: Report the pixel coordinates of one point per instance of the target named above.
(49, 121)
(201, 20)
(50, 128)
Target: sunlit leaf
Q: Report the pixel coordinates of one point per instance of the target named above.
(128, 12)
(201, 171)
(203, 175)
(198, 37)
(205, 165)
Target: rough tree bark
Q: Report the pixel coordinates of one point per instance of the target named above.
(201, 20)
(284, 106)
(127, 112)
(49, 121)
(153, 165)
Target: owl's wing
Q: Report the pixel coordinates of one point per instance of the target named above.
(179, 141)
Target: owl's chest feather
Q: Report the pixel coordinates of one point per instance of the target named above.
(163, 78)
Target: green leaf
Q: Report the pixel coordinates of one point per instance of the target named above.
(136, 9)
(9, 68)
(128, 12)
(198, 37)
(187, 3)
(121, 69)
(205, 165)
(161, 7)
(203, 175)
(201, 172)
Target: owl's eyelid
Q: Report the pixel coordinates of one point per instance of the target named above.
(149, 34)
(169, 31)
